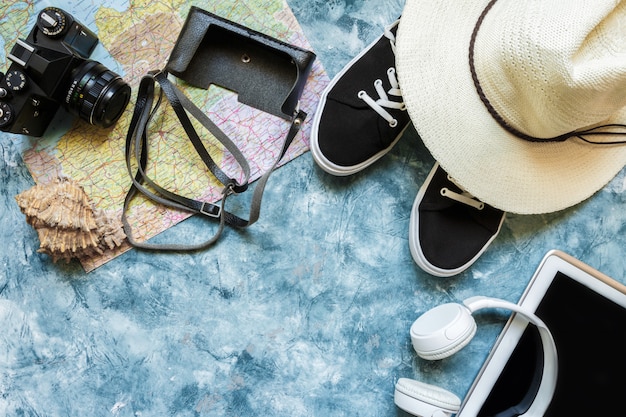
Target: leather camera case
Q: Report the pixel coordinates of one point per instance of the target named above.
(266, 73)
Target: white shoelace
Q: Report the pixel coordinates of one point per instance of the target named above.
(383, 101)
(464, 197)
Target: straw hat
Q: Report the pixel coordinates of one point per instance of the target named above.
(552, 75)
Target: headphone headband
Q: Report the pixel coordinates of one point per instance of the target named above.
(550, 359)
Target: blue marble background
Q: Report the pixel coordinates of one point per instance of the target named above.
(304, 314)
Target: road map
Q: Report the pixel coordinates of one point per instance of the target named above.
(137, 36)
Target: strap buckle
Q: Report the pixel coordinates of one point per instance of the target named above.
(213, 211)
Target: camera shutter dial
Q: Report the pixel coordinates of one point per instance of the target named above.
(6, 114)
(52, 21)
(15, 80)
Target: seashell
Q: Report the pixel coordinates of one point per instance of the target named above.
(67, 223)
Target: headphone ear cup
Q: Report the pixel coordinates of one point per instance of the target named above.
(442, 331)
(420, 399)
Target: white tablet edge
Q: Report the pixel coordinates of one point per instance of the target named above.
(553, 262)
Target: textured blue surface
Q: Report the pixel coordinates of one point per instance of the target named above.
(304, 314)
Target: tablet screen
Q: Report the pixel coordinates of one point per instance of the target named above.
(589, 331)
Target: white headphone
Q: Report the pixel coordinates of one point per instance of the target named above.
(446, 329)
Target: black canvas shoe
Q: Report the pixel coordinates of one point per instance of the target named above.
(449, 228)
(361, 114)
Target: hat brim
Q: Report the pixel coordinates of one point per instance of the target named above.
(500, 169)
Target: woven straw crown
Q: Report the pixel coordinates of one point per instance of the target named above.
(504, 94)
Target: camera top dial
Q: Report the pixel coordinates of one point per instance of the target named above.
(15, 80)
(6, 114)
(53, 22)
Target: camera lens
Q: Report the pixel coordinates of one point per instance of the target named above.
(97, 94)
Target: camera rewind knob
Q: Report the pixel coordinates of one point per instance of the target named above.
(52, 21)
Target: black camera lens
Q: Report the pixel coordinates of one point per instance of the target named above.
(97, 94)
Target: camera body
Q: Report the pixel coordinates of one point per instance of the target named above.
(50, 69)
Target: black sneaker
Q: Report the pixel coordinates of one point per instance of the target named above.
(449, 228)
(361, 114)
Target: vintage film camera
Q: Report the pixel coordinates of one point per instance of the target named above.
(50, 69)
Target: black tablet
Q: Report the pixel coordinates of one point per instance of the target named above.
(586, 314)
